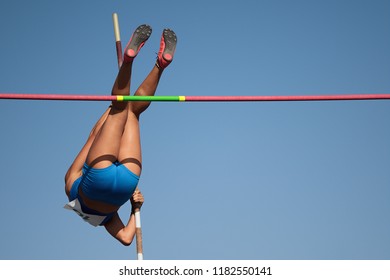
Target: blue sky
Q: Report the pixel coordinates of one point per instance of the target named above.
(277, 180)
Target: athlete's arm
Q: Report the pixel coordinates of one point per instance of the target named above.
(125, 234)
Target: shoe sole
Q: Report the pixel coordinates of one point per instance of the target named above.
(170, 40)
(140, 36)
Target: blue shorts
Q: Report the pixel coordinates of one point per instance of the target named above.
(113, 185)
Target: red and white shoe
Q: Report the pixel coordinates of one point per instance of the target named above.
(167, 48)
(137, 40)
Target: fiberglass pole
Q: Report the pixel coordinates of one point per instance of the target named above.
(137, 214)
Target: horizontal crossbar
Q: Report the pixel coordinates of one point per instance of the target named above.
(248, 98)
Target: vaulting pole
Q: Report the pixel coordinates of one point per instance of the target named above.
(118, 43)
(138, 234)
(137, 213)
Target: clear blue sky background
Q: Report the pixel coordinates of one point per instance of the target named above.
(281, 180)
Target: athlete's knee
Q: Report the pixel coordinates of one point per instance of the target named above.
(118, 106)
(134, 110)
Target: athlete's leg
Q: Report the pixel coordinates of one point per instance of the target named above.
(105, 148)
(147, 88)
(75, 169)
(130, 149)
(164, 58)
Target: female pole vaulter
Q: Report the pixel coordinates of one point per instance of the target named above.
(105, 173)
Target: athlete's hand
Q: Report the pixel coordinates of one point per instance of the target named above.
(137, 199)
